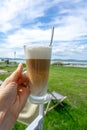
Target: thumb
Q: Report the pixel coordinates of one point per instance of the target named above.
(17, 73)
(14, 77)
(8, 95)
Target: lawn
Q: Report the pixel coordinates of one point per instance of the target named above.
(72, 82)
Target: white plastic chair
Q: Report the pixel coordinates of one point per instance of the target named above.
(54, 96)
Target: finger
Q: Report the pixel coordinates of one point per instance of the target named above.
(23, 80)
(17, 73)
(14, 77)
(8, 95)
(23, 97)
(23, 94)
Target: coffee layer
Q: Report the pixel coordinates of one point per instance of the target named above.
(38, 71)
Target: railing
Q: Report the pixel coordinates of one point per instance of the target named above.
(37, 124)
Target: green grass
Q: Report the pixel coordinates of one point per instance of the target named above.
(19, 126)
(72, 82)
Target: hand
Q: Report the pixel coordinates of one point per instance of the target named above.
(13, 95)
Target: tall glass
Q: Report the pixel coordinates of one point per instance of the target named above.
(38, 63)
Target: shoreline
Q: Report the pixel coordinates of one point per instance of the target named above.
(70, 64)
(58, 63)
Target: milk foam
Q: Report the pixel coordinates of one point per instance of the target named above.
(38, 52)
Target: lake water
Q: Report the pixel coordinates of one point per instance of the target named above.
(66, 63)
(73, 63)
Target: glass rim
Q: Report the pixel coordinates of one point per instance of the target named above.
(38, 45)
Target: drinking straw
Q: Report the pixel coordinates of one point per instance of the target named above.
(52, 36)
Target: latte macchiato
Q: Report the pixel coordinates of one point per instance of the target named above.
(38, 70)
(38, 62)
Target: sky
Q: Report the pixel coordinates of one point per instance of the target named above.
(24, 22)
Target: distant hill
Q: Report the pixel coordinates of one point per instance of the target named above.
(69, 60)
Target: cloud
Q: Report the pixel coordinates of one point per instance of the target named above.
(27, 36)
(27, 21)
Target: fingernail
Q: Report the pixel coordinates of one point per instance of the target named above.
(20, 64)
